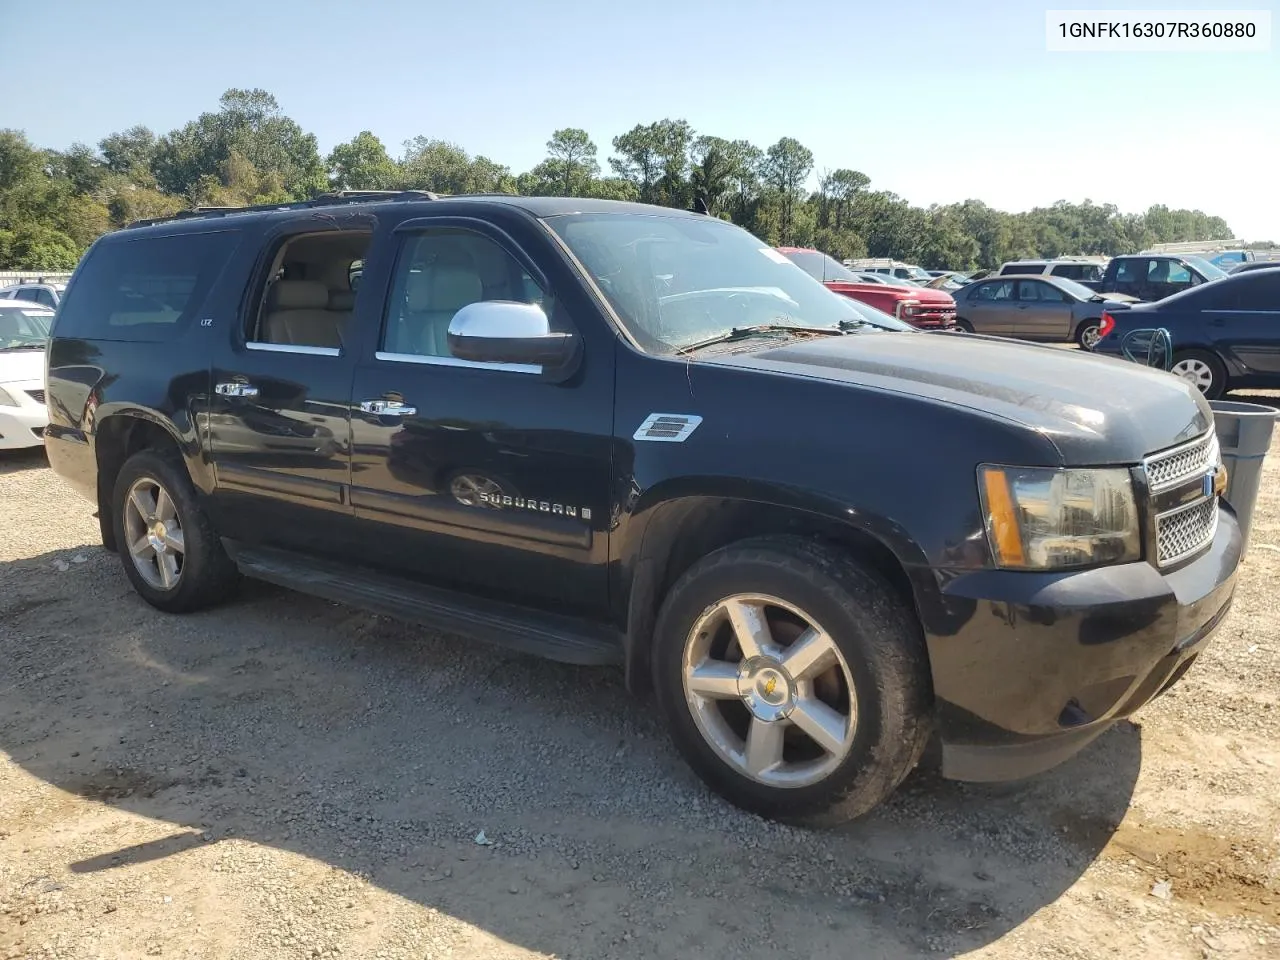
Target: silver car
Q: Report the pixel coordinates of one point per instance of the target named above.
(1034, 307)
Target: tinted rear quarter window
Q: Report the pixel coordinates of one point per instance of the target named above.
(146, 289)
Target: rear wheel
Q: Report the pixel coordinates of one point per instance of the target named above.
(170, 551)
(1203, 369)
(792, 680)
(1088, 334)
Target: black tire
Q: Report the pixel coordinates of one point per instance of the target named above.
(1217, 370)
(875, 631)
(1087, 329)
(964, 326)
(207, 575)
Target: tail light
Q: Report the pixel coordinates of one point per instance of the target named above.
(1108, 324)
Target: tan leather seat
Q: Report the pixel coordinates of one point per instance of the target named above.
(298, 314)
(432, 297)
(342, 300)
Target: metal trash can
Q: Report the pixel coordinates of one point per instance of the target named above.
(1244, 434)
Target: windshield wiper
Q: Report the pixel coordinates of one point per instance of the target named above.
(745, 333)
(25, 346)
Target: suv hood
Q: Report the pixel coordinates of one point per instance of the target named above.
(1095, 410)
(22, 366)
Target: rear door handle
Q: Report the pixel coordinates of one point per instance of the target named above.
(387, 408)
(236, 389)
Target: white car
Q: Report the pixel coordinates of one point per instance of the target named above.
(24, 337)
(46, 294)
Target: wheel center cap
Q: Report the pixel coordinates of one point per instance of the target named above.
(157, 533)
(766, 689)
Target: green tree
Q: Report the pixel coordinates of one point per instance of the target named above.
(571, 163)
(362, 163)
(787, 165)
(655, 158)
(131, 154)
(250, 123)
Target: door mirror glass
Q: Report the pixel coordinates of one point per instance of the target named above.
(506, 332)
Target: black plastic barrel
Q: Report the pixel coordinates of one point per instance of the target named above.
(1244, 433)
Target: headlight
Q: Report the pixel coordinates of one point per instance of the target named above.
(1041, 518)
(6, 398)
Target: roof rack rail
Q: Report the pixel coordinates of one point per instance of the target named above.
(332, 199)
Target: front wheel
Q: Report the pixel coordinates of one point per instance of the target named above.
(1203, 369)
(794, 681)
(964, 326)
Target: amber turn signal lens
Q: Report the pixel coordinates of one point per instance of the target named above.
(1003, 515)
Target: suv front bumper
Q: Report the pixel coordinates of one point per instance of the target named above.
(1029, 668)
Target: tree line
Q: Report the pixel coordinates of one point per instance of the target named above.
(53, 203)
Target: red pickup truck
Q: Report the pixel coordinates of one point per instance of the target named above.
(921, 307)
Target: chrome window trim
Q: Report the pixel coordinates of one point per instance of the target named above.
(525, 368)
(294, 348)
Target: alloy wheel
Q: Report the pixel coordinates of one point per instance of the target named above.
(153, 533)
(769, 690)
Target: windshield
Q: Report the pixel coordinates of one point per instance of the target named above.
(820, 266)
(1209, 271)
(1077, 290)
(917, 273)
(24, 328)
(676, 281)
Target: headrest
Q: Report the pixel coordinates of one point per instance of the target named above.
(342, 299)
(440, 289)
(299, 295)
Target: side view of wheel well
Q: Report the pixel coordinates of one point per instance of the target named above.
(119, 438)
(686, 530)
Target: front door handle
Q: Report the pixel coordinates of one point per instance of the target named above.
(236, 389)
(387, 408)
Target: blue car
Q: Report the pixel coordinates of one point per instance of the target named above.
(1226, 333)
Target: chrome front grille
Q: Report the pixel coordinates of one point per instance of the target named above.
(1183, 505)
(1182, 532)
(1181, 463)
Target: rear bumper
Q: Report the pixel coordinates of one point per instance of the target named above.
(1029, 668)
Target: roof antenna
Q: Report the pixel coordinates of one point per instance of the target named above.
(700, 205)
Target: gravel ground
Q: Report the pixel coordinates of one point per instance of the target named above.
(289, 778)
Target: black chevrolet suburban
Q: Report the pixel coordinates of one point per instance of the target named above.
(611, 433)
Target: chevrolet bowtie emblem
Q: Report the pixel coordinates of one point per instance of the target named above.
(769, 686)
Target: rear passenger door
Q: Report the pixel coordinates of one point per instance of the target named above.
(278, 422)
(1247, 324)
(1044, 313)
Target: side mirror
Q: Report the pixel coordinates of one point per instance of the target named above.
(509, 333)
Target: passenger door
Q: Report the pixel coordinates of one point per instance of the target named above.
(992, 308)
(1044, 311)
(1248, 322)
(480, 477)
(278, 420)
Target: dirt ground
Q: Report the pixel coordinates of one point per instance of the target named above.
(288, 778)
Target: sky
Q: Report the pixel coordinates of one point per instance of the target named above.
(938, 102)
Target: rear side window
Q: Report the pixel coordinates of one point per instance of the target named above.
(143, 290)
(1009, 268)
